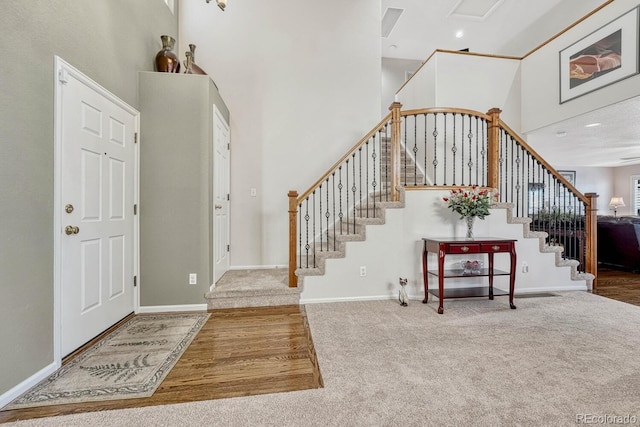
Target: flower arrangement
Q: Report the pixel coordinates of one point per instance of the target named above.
(471, 202)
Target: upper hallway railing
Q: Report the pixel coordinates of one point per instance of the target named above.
(438, 148)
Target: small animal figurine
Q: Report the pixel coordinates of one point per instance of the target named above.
(402, 294)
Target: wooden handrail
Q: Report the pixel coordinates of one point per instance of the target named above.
(445, 110)
(333, 168)
(545, 164)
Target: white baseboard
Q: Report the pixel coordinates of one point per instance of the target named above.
(257, 267)
(25, 385)
(172, 308)
(346, 299)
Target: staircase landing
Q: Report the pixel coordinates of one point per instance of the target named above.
(253, 288)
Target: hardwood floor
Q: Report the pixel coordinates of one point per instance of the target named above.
(619, 285)
(238, 352)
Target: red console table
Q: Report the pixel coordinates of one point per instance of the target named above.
(462, 246)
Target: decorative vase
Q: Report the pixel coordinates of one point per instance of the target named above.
(166, 60)
(469, 221)
(195, 69)
(188, 63)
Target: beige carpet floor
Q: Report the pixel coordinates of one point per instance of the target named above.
(551, 362)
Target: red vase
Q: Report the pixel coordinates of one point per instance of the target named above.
(166, 59)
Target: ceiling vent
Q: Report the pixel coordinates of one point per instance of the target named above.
(474, 10)
(389, 20)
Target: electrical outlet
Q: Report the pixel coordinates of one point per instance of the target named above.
(193, 279)
(253, 192)
(525, 267)
(363, 271)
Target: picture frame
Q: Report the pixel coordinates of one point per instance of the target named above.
(605, 56)
(562, 193)
(569, 176)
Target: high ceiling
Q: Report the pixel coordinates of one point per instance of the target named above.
(515, 27)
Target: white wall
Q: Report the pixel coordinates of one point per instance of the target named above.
(541, 80)
(468, 81)
(394, 250)
(595, 180)
(394, 73)
(302, 83)
(421, 90)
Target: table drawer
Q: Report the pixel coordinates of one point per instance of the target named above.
(463, 248)
(496, 247)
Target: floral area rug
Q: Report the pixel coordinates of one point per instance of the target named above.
(130, 362)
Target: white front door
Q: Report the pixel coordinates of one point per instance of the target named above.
(96, 218)
(221, 188)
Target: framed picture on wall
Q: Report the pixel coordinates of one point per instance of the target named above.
(569, 176)
(607, 55)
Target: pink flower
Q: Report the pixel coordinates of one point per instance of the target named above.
(446, 199)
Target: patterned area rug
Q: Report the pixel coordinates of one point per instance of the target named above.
(130, 362)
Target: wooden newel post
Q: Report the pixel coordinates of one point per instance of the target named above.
(293, 232)
(493, 149)
(396, 130)
(591, 228)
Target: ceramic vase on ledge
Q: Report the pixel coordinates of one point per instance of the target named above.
(166, 59)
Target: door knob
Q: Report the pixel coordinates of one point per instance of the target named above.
(68, 208)
(70, 229)
(218, 206)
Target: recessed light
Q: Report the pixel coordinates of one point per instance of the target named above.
(561, 133)
(459, 34)
(592, 125)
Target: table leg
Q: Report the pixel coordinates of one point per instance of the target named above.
(441, 281)
(512, 275)
(490, 254)
(425, 274)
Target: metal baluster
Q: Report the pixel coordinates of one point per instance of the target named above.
(445, 150)
(348, 190)
(374, 183)
(306, 218)
(333, 185)
(313, 229)
(462, 136)
(415, 150)
(327, 213)
(470, 162)
(435, 149)
(353, 190)
(320, 215)
(340, 213)
(454, 149)
(300, 235)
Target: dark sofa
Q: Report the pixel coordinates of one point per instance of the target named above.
(619, 242)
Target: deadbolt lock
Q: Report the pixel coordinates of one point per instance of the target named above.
(70, 229)
(68, 208)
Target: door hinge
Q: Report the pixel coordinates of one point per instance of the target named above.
(135, 281)
(135, 209)
(228, 145)
(63, 76)
(135, 138)
(228, 197)
(228, 248)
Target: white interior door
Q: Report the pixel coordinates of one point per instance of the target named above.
(97, 170)
(221, 177)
